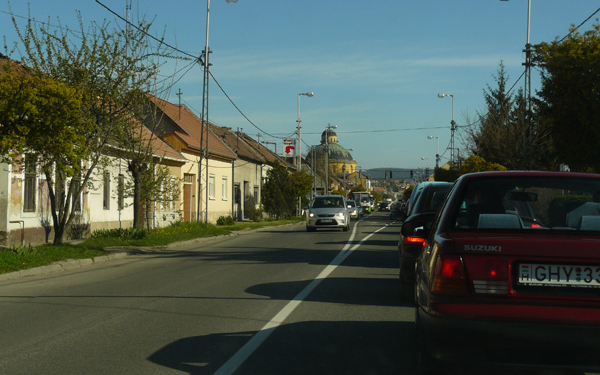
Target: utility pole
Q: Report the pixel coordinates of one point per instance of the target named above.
(527, 156)
(179, 93)
(299, 129)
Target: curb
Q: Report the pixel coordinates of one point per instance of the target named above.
(64, 265)
(116, 253)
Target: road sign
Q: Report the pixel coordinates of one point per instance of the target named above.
(289, 150)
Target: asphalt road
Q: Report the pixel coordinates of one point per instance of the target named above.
(273, 301)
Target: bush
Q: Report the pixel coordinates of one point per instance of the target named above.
(78, 231)
(120, 233)
(225, 220)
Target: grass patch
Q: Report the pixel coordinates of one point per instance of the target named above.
(15, 259)
(25, 257)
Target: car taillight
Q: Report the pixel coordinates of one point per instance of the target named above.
(414, 240)
(490, 275)
(449, 276)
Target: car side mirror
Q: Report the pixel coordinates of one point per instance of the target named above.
(413, 229)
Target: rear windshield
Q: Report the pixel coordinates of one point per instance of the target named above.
(541, 203)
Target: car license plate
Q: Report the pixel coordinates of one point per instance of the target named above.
(582, 276)
(327, 221)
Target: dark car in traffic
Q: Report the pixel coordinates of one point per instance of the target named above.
(428, 200)
(509, 277)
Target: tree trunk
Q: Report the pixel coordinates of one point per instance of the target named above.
(136, 172)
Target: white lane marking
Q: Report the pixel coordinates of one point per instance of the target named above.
(246, 351)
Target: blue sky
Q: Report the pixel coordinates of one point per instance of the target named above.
(375, 67)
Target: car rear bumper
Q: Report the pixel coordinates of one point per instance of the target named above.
(468, 341)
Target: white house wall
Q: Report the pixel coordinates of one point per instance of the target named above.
(221, 203)
(249, 176)
(99, 216)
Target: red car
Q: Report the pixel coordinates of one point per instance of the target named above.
(510, 275)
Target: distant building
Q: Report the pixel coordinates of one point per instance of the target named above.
(340, 161)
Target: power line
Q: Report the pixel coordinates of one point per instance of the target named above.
(238, 109)
(161, 41)
(578, 26)
(195, 57)
(384, 130)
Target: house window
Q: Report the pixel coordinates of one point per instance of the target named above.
(30, 184)
(256, 198)
(121, 192)
(211, 186)
(224, 188)
(106, 191)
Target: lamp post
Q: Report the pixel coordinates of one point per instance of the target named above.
(452, 129)
(204, 114)
(528, 64)
(426, 174)
(299, 162)
(437, 150)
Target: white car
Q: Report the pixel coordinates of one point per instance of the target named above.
(352, 209)
(327, 211)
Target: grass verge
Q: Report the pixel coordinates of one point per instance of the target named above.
(15, 259)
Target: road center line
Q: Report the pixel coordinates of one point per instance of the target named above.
(246, 351)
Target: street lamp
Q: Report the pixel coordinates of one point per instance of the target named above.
(310, 95)
(426, 162)
(452, 128)
(437, 150)
(204, 114)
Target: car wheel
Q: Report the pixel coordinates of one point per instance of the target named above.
(427, 365)
(347, 227)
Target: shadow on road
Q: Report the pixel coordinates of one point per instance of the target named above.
(302, 348)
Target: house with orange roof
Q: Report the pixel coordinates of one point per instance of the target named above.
(207, 176)
(247, 171)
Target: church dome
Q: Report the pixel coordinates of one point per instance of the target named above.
(339, 153)
(336, 152)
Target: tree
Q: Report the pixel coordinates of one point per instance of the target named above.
(301, 184)
(278, 195)
(108, 68)
(478, 164)
(498, 138)
(503, 134)
(570, 97)
(33, 107)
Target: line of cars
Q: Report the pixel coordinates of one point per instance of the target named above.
(507, 274)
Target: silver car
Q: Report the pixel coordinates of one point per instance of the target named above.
(327, 211)
(352, 209)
